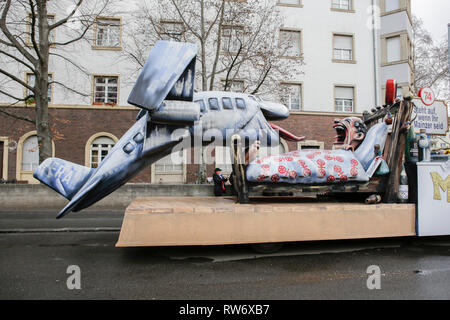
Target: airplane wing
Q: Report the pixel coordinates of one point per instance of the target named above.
(168, 74)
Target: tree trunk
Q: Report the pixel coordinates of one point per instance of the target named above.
(44, 134)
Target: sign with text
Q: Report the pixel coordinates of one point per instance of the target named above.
(433, 118)
(426, 95)
(433, 210)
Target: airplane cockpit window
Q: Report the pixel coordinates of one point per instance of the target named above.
(202, 105)
(227, 104)
(213, 103)
(255, 98)
(240, 103)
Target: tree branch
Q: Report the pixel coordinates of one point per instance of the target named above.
(69, 61)
(32, 33)
(62, 21)
(18, 60)
(12, 115)
(12, 77)
(15, 98)
(68, 88)
(11, 38)
(184, 21)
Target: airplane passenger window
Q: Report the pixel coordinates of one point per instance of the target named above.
(202, 105)
(213, 103)
(240, 103)
(227, 104)
(138, 138)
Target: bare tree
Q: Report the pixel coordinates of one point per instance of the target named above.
(430, 61)
(27, 45)
(238, 41)
(239, 44)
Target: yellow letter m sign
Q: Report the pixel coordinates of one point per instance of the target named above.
(438, 182)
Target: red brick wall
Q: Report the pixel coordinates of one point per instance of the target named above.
(313, 127)
(75, 126)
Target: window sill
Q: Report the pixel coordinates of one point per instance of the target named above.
(344, 61)
(343, 10)
(290, 5)
(33, 104)
(168, 173)
(345, 112)
(392, 63)
(293, 57)
(322, 113)
(104, 104)
(393, 11)
(29, 44)
(106, 48)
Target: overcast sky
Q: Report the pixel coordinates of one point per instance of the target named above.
(435, 15)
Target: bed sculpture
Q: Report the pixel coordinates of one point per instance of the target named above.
(347, 163)
(366, 159)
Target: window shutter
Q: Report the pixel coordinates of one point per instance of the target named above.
(343, 42)
(392, 5)
(344, 93)
(393, 49)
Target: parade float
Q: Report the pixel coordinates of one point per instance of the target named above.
(349, 192)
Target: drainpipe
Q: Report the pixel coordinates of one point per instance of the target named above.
(375, 52)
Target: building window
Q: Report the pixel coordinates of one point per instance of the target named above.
(234, 85)
(311, 144)
(290, 43)
(31, 80)
(107, 33)
(342, 4)
(344, 99)
(290, 2)
(342, 47)
(392, 5)
(223, 159)
(30, 154)
(232, 38)
(105, 89)
(171, 30)
(52, 35)
(291, 96)
(169, 165)
(393, 49)
(99, 150)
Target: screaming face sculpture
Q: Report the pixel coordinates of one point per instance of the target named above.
(350, 132)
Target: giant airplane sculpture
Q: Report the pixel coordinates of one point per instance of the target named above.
(165, 93)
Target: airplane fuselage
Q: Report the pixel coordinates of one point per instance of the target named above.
(222, 114)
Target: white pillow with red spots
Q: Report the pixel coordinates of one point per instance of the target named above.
(307, 167)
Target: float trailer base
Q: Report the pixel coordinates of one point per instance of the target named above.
(180, 221)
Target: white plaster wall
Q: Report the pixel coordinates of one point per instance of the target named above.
(318, 22)
(396, 22)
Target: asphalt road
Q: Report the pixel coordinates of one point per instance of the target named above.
(36, 250)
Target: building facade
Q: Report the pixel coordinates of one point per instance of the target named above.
(349, 49)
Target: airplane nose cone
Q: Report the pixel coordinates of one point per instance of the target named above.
(273, 110)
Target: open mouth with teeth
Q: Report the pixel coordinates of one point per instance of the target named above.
(350, 132)
(341, 133)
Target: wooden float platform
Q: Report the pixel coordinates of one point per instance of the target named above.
(178, 221)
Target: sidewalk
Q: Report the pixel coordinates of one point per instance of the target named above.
(40, 197)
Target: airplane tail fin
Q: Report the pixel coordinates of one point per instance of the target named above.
(64, 177)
